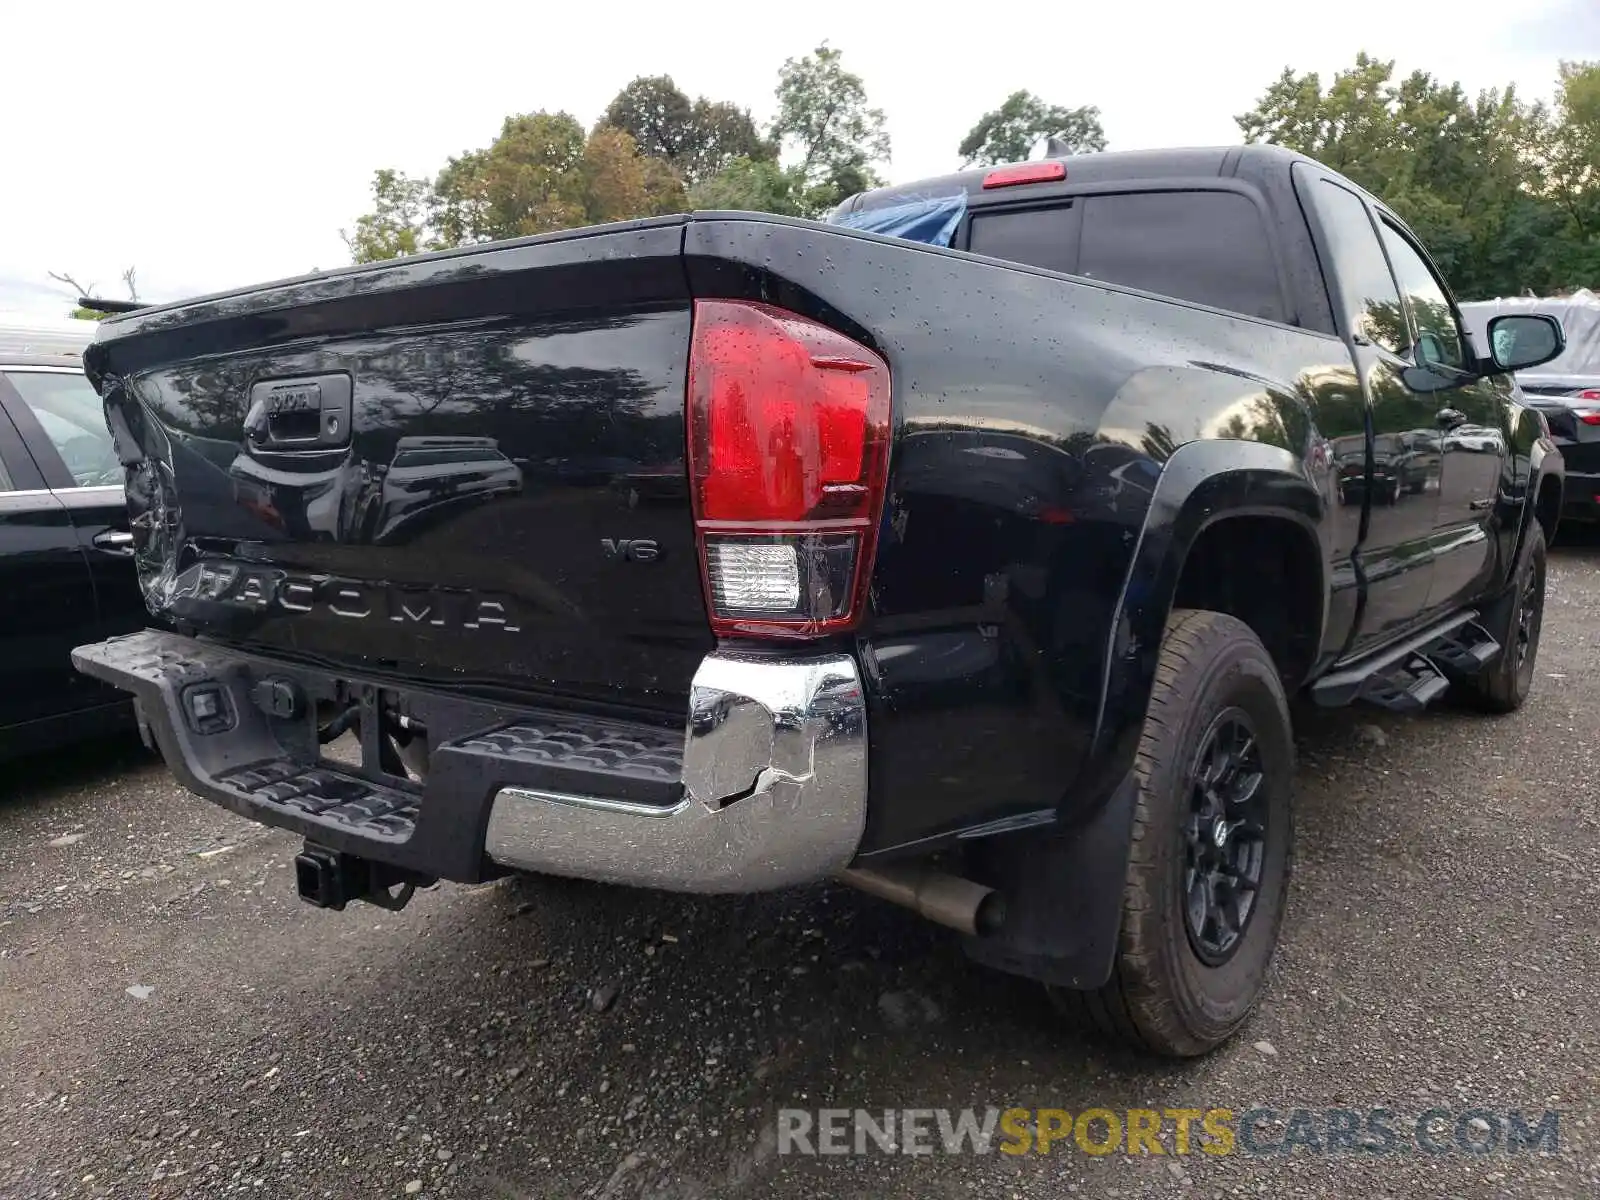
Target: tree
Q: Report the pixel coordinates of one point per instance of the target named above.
(698, 138)
(656, 114)
(1494, 187)
(619, 183)
(1350, 127)
(129, 281)
(723, 134)
(1575, 149)
(1574, 177)
(749, 185)
(397, 224)
(541, 174)
(1010, 132)
(653, 151)
(526, 182)
(825, 123)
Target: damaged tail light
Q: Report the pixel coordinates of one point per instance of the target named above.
(788, 462)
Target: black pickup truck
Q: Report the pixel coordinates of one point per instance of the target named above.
(741, 552)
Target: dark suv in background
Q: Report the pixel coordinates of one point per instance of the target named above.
(66, 554)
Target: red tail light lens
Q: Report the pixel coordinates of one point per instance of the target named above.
(788, 460)
(1033, 172)
(1588, 394)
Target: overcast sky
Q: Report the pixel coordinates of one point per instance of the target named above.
(217, 145)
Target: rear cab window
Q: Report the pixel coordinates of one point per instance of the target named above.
(1038, 237)
(1211, 247)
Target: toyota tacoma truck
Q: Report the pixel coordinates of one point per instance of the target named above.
(967, 547)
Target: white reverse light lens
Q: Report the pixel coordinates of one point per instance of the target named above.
(753, 576)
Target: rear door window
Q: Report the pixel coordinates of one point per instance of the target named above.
(1438, 335)
(1359, 273)
(69, 412)
(1209, 247)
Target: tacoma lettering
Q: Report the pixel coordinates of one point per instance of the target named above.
(352, 600)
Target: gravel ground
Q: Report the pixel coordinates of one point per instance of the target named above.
(174, 1022)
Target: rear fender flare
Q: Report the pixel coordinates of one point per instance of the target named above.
(1544, 462)
(1064, 889)
(1204, 482)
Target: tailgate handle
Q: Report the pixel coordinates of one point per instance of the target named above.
(310, 413)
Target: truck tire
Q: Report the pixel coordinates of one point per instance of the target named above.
(1515, 620)
(1214, 769)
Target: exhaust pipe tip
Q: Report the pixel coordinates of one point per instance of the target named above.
(949, 900)
(990, 915)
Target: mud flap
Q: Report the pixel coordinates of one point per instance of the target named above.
(1063, 897)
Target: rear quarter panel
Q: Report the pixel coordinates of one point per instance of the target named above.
(1035, 414)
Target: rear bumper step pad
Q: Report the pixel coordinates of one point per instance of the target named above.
(268, 767)
(330, 796)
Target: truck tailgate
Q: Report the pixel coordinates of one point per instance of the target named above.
(467, 469)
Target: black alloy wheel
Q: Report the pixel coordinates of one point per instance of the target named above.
(1209, 860)
(1530, 612)
(1515, 620)
(1225, 837)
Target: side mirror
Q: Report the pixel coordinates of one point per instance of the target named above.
(1522, 341)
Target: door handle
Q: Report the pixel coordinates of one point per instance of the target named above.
(1449, 418)
(114, 541)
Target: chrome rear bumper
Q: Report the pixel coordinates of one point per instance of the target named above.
(775, 790)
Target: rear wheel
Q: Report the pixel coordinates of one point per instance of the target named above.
(1515, 620)
(1209, 865)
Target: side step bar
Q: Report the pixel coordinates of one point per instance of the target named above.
(1409, 686)
(1414, 672)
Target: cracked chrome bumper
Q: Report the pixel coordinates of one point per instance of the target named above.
(775, 790)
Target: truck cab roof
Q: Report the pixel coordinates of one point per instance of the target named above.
(1192, 243)
(1089, 172)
